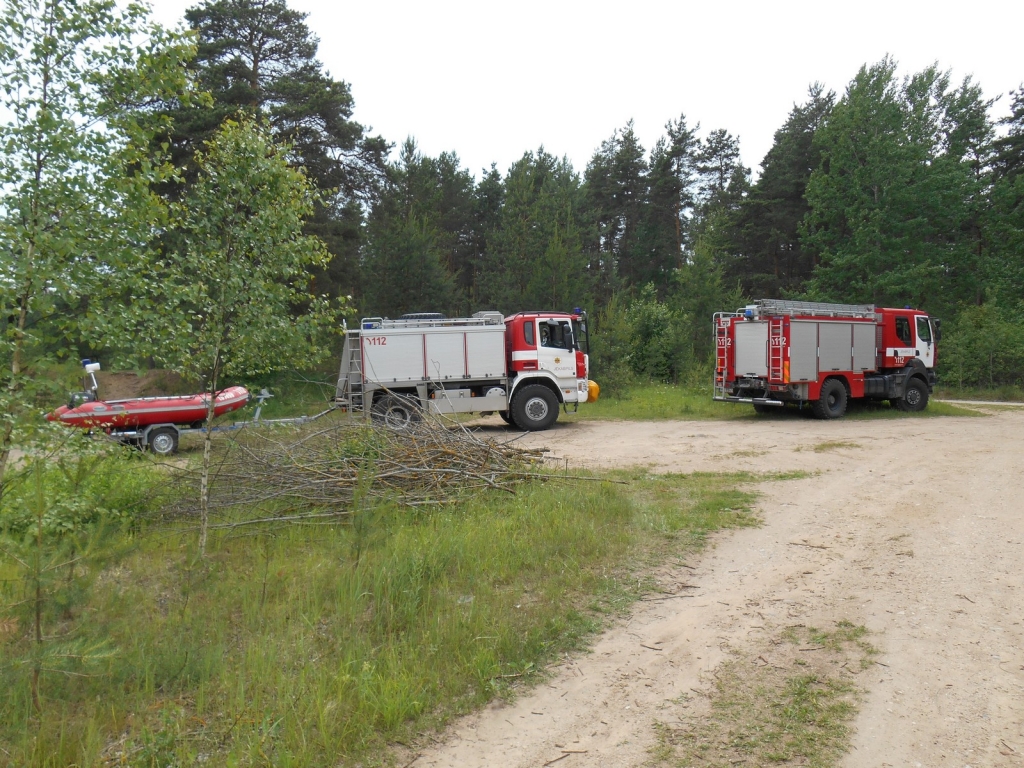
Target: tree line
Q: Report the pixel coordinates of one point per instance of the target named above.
(899, 190)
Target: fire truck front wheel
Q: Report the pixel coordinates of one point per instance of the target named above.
(395, 412)
(534, 408)
(831, 404)
(915, 396)
(505, 416)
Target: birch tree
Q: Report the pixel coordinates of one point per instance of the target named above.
(223, 303)
(75, 172)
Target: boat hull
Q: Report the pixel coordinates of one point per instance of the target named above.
(145, 411)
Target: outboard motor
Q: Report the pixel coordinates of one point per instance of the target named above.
(91, 386)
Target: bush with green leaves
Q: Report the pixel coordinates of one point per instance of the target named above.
(80, 490)
(983, 347)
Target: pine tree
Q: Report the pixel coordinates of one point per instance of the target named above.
(258, 58)
(669, 205)
(894, 203)
(1004, 221)
(720, 170)
(770, 259)
(535, 257)
(616, 182)
(416, 236)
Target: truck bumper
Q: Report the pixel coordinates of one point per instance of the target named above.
(759, 400)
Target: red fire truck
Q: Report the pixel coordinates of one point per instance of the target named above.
(523, 367)
(773, 352)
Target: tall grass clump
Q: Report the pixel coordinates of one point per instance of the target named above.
(310, 645)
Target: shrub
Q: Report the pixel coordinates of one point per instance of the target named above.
(983, 347)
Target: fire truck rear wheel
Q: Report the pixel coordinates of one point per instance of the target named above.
(534, 408)
(395, 412)
(163, 442)
(915, 396)
(505, 417)
(831, 403)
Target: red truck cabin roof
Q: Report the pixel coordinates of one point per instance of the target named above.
(521, 337)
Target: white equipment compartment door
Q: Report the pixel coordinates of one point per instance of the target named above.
(835, 347)
(803, 351)
(446, 354)
(751, 348)
(864, 353)
(389, 358)
(485, 350)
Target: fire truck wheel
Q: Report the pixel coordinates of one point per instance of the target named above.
(915, 396)
(762, 408)
(163, 442)
(395, 412)
(831, 404)
(534, 408)
(505, 417)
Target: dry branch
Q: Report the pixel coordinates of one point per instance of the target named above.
(328, 471)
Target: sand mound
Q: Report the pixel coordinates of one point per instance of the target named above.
(121, 385)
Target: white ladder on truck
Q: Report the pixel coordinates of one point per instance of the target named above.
(349, 392)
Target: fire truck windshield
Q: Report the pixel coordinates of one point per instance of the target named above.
(556, 334)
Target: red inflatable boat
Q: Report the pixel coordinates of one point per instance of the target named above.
(144, 411)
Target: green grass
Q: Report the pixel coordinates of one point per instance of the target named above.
(324, 645)
(652, 402)
(830, 445)
(1007, 393)
(655, 402)
(790, 703)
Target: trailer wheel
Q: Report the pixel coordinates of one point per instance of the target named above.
(915, 396)
(832, 402)
(395, 412)
(163, 442)
(534, 408)
(505, 417)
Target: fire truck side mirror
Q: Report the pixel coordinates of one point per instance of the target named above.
(938, 328)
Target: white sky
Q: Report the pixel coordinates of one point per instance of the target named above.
(490, 80)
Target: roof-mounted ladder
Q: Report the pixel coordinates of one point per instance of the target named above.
(768, 307)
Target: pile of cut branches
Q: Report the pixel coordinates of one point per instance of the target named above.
(324, 471)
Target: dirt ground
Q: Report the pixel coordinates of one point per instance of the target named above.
(913, 528)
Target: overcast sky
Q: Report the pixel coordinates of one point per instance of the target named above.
(490, 80)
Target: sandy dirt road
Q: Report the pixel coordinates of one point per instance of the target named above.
(913, 528)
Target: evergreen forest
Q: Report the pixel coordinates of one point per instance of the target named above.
(903, 189)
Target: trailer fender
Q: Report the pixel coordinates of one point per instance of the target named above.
(542, 377)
